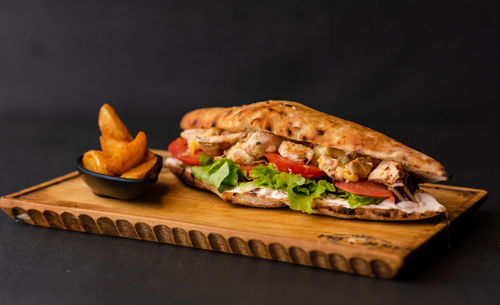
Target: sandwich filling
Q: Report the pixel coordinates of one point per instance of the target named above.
(300, 174)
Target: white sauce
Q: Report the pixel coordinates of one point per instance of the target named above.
(264, 192)
(274, 194)
(173, 162)
(425, 201)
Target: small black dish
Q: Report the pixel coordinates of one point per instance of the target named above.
(116, 187)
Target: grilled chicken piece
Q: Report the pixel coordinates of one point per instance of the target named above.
(258, 143)
(211, 140)
(239, 154)
(297, 152)
(320, 150)
(212, 136)
(328, 165)
(360, 167)
(352, 171)
(199, 133)
(253, 147)
(387, 172)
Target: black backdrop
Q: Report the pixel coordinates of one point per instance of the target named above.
(432, 61)
(424, 73)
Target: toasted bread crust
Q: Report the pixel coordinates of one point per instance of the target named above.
(369, 214)
(320, 208)
(234, 198)
(300, 123)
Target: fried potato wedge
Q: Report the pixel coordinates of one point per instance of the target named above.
(149, 155)
(111, 125)
(111, 146)
(95, 161)
(141, 171)
(130, 156)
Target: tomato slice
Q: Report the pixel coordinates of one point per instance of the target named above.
(365, 188)
(178, 148)
(295, 167)
(247, 167)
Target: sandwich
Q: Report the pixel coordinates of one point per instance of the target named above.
(276, 154)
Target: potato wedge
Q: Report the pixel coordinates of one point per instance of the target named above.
(149, 155)
(95, 161)
(128, 157)
(111, 146)
(111, 125)
(141, 171)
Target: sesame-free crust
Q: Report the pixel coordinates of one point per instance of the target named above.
(300, 123)
(251, 199)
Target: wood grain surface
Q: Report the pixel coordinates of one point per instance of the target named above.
(174, 213)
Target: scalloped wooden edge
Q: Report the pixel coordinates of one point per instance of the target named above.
(175, 235)
(196, 236)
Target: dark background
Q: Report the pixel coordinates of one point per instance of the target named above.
(423, 73)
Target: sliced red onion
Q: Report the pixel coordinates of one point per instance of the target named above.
(401, 192)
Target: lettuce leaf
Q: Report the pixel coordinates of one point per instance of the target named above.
(301, 196)
(205, 159)
(355, 200)
(223, 174)
(301, 191)
(246, 186)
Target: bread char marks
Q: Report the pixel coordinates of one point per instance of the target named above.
(258, 117)
(263, 117)
(300, 123)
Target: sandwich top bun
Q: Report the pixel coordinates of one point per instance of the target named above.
(300, 123)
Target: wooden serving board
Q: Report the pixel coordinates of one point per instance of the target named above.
(174, 213)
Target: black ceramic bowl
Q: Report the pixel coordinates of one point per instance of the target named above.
(116, 187)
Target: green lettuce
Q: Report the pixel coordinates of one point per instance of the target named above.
(205, 159)
(246, 186)
(223, 174)
(355, 200)
(301, 191)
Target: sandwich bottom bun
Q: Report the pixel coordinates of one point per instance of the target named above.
(253, 199)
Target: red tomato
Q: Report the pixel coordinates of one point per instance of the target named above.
(178, 148)
(295, 167)
(365, 188)
(247, 167)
